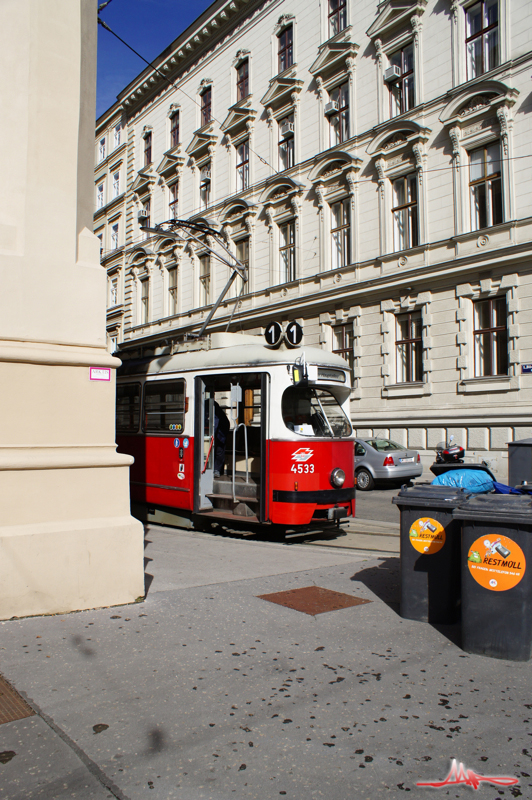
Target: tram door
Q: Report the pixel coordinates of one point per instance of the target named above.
(204, 437)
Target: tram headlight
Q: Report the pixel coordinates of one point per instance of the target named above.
(337, 478)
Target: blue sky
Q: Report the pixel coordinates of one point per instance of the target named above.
(147, 25)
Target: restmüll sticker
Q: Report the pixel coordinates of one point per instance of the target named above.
(496, 562)
(427, 535)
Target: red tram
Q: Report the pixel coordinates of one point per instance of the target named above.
(227, 429)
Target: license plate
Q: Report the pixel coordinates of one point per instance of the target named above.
(406, 460)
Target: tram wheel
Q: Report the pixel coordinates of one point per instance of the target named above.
(365, 480)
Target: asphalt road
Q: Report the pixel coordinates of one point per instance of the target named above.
(377, 504)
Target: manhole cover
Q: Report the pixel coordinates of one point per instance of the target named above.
(12, 706)
(313, 600)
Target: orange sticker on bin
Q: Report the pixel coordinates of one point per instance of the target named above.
(427, 535)
(496, 562)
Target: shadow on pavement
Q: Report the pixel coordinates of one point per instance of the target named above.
(383, 580)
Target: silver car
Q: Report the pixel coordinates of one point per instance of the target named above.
(382, 459)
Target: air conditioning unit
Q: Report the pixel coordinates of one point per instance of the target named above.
(205, 174)
(331, 107)
(142, 214)
(287, 129)
(392, 73)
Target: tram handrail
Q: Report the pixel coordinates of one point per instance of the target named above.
(208, 455)
(241, 425)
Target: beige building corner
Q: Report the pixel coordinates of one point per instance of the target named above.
(67, 540)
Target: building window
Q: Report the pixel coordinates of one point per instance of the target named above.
(144, 301)
(340, 234)
(101, 149)
(337, 16)
(485, 186)
(242, 80)
(146, 221)
(205, 186)
(100, 196)
(242, 166)
(205, 279)
(206, 101)
(343, 343)
(482, 37)
(285, 49)
(147, 149)
(113, 293)
(339, 118)
(287, 252)
(117, 135)
(491, 337)
(408, 348)
(242, 252)
(173, 201)
(172, 291)
(402, 96)
(113, 343)
(114, 236)
(286, 143)
(100, 239)
(174, 129)
(116, 184)
(404, 211)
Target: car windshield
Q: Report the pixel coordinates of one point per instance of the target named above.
(313, 412)
(384, 445)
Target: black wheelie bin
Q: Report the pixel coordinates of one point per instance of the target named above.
(497, 575)
(430, 552)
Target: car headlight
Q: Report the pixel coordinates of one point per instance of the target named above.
(337, 478)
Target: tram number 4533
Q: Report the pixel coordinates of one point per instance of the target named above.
(300, 469)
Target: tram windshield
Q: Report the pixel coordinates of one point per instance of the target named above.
(314, 412)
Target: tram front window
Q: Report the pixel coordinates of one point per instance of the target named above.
(314, 412)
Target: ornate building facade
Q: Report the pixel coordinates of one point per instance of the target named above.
(370, 163)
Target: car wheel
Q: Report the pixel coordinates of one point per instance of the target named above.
(365, 480)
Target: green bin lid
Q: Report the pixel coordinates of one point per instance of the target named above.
(507, 508)
(423, 495)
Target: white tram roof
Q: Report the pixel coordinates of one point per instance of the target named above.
(228, 350)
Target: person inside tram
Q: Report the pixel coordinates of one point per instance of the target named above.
(221, 429)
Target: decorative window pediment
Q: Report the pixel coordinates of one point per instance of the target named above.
(144, 181)
(202, 140)
(281, 89)
(477, 101)
(333, 55)
(395, 137)
(393, 14)
(238, 117)
(280, 190)
(171, 164)
(335, 174)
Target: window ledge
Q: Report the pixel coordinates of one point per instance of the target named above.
(492, 383)
(406, 390)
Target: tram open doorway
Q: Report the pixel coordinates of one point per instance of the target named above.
(231, 428)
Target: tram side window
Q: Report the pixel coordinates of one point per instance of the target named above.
(128, 407)
(164, 406)
(314, 412)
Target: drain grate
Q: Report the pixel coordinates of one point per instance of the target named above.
(314, 600)
(12, 706)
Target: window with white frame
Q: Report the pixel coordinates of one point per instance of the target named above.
(242, 165)
(343, 343)
(485, 186)
(174, 129)
(206, 106)
(285, 49)
(287, 252)
(337, 16)
(173, 196)
(145, 221)
(101, 149)
(339, 115)
(144, 300)
(242, 251)
(172, 292)
(242, 80)
(490, 333)
(482, 37)
(205, 186)
(116, 184)
(286, 143)
(100, 195)
(147, 148)
(402, 89)
(100, 239)
(114, 235)
(113, 342)
(408, 348)
(205, 279)
(117, 135)
(405, 212)
(113, 292)
(340, 234)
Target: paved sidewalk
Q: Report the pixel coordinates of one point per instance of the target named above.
(205, 691)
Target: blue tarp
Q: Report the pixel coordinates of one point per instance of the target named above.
(474, 480)
(501, 488)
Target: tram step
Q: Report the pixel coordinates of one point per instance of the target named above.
(244, 490)
(229, 496)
